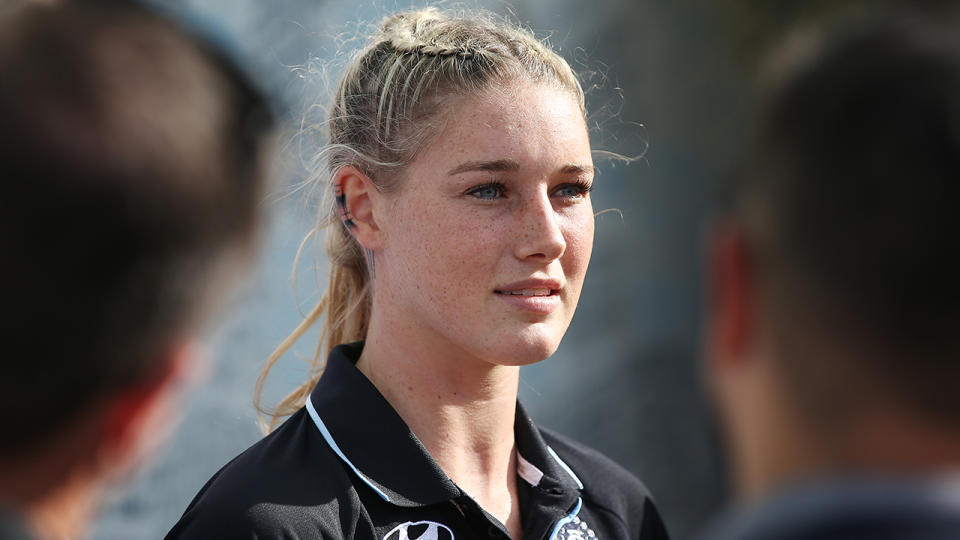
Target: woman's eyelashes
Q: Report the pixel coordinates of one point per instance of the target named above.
(490, 191)
(574, 190)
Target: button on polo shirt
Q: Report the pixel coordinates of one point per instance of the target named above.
(347, 466)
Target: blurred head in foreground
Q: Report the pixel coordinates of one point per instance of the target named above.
(834, 325)
(130, 156)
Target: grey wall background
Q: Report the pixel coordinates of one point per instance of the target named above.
(626, 379)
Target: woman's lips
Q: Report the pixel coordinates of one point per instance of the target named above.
(536, 296)
(529, 292)
(534, 304)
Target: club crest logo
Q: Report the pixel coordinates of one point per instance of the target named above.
(576, 529)
(420, 530)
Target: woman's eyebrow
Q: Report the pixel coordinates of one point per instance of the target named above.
(497, 165)
(500, 165)
(577, 169)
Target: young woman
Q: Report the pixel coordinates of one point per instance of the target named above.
(462, 228)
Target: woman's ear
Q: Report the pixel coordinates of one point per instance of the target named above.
(355, 194)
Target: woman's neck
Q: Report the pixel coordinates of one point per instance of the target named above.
(461, 408)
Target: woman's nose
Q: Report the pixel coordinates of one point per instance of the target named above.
(540, 235)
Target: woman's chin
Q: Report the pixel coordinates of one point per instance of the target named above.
(524, 352)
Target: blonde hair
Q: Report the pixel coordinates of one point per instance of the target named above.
(380, 116)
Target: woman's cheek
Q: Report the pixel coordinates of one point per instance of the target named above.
(472, 237)
(578, 233)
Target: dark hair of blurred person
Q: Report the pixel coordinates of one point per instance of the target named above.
(833, 343)
(131, 156)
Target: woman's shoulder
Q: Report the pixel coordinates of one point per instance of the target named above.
(288, 484)
(609, 487)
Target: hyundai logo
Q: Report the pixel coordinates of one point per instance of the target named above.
(420, 530)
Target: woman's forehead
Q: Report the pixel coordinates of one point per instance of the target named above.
(510, 119)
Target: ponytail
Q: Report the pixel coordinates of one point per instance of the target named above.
(346, 305)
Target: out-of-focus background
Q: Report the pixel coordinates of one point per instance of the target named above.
(670, 80)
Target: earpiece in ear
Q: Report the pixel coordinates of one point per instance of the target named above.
(345, 215)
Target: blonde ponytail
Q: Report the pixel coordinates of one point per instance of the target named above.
(346, 305)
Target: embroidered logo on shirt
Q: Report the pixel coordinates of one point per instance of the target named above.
(576, 529)
(420, 530)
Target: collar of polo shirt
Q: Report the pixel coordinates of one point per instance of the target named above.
(373, 441)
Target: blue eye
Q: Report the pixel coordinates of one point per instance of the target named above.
(574, 190)
(487, 192)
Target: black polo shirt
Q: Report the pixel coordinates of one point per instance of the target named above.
(347, 466)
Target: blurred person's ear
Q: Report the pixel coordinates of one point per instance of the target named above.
(730, 283)
(357, 198)
(101, 445)
(737, 367)
(733, 355)
(139, 419)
